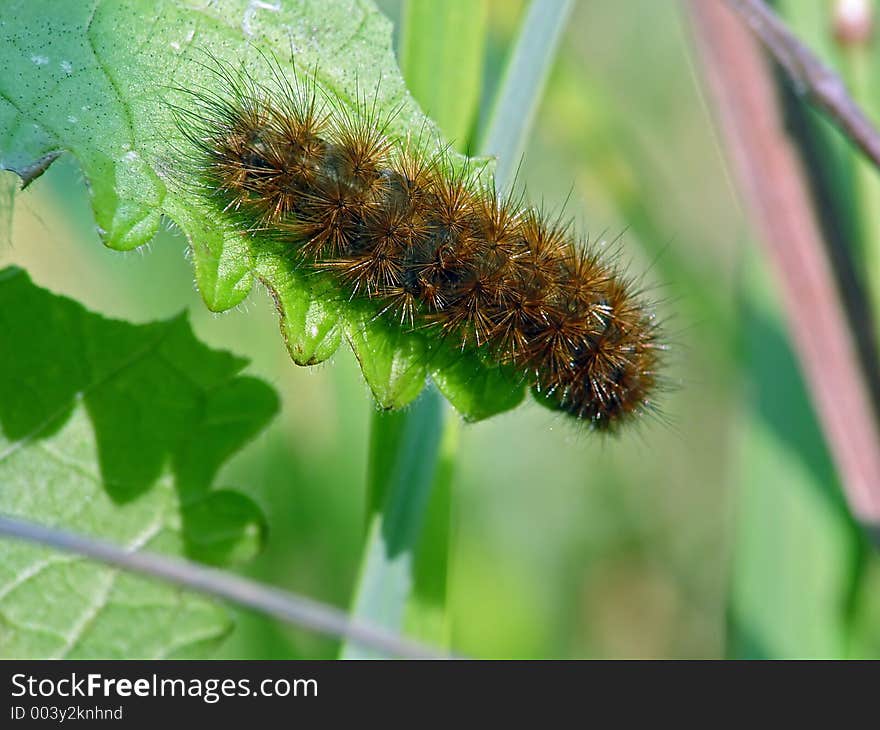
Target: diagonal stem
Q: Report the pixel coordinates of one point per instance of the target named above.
(809, 75)
(287, 606)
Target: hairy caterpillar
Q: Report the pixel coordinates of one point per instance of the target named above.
(430, 245)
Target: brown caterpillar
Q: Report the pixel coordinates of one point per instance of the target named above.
(430, 245)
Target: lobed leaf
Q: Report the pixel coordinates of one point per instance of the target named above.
(118, 431)
(71, 86)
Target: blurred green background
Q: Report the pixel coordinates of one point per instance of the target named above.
(719, 532)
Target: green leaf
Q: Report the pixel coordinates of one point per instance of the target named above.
(393, 361)
(118, 431)
(69, 85)
(477, 392)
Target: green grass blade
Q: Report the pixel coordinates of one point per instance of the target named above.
(795, 547)
(426, 612)
(403, 574)
(8, 187)
(523, 85)
(404, 450)
(441, 53)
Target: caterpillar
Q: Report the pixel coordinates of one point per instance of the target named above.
(428, 244)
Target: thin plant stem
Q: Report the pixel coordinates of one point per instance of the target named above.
(290, 607)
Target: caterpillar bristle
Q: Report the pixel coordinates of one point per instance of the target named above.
(430, 244)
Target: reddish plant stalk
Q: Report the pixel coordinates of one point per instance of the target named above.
(771, 180)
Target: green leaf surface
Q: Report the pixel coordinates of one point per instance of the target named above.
(118, 431)
(69, 85)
